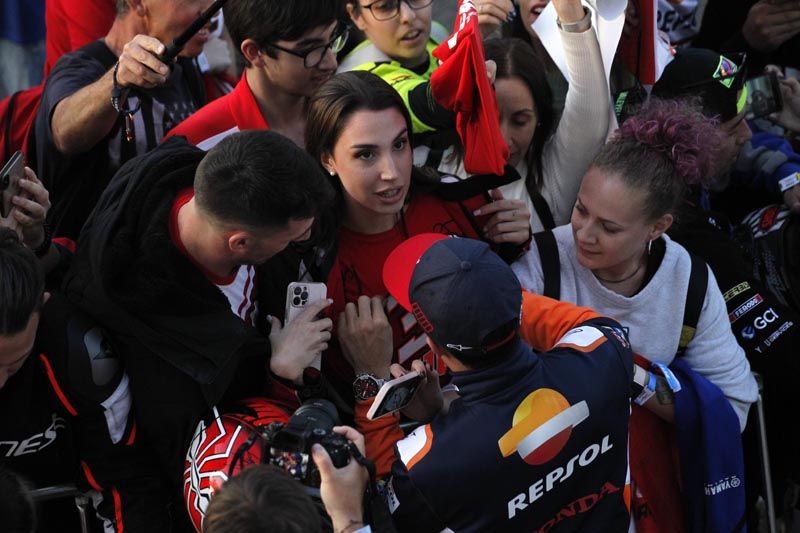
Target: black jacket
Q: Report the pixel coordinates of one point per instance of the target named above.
(768, 331)
(66, 418)
(184, 349)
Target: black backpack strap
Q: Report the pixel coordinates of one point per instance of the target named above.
(695, 297)
(543, 211)
(551, 265)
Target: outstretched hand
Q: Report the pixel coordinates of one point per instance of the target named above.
(509, 221)
(428, 400)
(492, 14)
(366, 336)
(569, 11)
(139, 65)
(769, 24)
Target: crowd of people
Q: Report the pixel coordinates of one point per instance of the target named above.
(207, 284)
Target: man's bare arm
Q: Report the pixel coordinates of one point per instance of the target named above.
(82, 119)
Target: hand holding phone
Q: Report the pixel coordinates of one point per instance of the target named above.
(13, 172)
(395, 395)
(10, 176)
(764, 96)
(299, 295)
(297, 344)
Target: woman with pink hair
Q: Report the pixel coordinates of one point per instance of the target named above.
(616, 258)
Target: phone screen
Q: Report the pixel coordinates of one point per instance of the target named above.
(395, 395)
(763, 96)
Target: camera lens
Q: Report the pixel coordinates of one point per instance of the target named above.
(304, 296)
(296, 300)
(298, 290)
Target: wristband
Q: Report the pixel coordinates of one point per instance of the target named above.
(41, 250)
(672, 381)
(577, 27)
(648, 391)
(116, 94)
(789, 181)
(639, 380)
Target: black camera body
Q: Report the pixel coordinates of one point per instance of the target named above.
(289, 446)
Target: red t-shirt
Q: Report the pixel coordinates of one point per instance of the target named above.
(358, 270)
(237, 111)
(72, 24)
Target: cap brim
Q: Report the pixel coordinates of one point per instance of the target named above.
(399, 266)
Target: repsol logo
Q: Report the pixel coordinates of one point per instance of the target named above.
(544, 485)
(766, 319)
(35, 443)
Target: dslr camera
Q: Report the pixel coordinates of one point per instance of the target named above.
(288, 446)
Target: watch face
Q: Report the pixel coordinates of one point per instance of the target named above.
(366, 387)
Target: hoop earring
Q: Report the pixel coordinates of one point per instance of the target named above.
(649, 246)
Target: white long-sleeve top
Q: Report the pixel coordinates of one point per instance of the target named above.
(654, 315)
(580, 134)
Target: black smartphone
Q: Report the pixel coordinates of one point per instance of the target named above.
(13, 171)
(763, 96)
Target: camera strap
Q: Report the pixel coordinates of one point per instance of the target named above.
(376, 511)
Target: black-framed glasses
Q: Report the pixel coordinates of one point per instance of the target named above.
(388, 9)
(312, 57)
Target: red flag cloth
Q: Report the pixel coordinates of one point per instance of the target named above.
(461, 85)
(637, 49)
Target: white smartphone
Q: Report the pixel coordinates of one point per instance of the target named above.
(299, 295)
(395, 395)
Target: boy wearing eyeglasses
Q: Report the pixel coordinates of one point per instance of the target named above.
(289, 50)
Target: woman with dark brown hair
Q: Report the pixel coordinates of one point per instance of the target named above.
(359, 129)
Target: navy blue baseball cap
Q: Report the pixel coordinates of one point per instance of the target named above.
(462, 294)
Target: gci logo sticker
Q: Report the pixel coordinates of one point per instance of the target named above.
(748, 333)
(767, 318)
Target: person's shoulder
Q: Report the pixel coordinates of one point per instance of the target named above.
(95, 54)
(77, 353)
(676, 257)
(365, 56)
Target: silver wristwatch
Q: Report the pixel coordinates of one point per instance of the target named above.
(577, 27)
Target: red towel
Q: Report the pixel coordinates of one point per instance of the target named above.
(460, 84)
